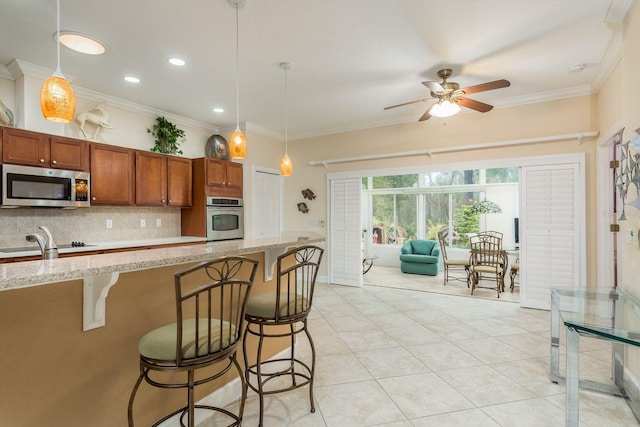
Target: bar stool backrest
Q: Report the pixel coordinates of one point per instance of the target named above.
(210, 306)
(297, 272)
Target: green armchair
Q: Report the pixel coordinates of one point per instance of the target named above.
(420, 257)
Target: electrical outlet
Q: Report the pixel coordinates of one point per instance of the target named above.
(143, 223)
(158, 222)
(109, 223)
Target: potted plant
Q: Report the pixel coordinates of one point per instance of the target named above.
(168, 137)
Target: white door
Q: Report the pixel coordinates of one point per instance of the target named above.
(345, 232)
(551, 217)
(266, 204)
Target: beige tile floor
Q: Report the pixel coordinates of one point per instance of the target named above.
(404, 358)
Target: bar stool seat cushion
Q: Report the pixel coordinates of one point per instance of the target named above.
(264, 305)
(160, 344)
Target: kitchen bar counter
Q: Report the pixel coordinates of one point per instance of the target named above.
(34, 273)
(72, 327)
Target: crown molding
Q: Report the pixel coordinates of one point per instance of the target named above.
(95, 96)
(18, 68)
(551, 95)
(618, 10)
(612, 56)
(4, 72)
(263, 131)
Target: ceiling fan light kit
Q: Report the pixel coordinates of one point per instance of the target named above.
(449, 97)
(444, 108)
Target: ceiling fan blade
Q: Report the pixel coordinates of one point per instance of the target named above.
(407, 103)
(496, 84)
(474, 105)
(426, 115)
(433, 86)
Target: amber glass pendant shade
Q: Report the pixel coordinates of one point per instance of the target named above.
(57, 101)
(286, 167)
(238, 146)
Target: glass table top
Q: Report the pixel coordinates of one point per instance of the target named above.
(608, 312)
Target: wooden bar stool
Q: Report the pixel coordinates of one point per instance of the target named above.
(210, 305)
(278, 314)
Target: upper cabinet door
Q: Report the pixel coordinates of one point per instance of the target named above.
(234, 176)
(216, 172)
(179, 182)
(111, 175)
(151, 179)
(67, 153)
(22, 147)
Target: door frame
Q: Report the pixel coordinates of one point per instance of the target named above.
(575, 157)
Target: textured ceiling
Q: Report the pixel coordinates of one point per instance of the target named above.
(350, 58)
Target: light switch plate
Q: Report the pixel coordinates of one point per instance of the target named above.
(109, 223)
(143, 223)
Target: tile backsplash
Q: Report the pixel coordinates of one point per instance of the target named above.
(88, 225)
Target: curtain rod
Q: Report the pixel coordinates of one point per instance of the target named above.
(429, 152)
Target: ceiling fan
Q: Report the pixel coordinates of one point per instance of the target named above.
(450, 97)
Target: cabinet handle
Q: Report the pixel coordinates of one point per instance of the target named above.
(41, 160)
(224, 183)
(164, 201)
(93, 198)
(53, 162)
(228, 184)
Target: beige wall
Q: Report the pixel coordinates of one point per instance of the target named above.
(559, 117)
(619, 104)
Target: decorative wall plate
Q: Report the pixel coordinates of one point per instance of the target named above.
(217, 147)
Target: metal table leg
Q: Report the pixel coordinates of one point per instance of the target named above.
(573, 359)
(554, 365)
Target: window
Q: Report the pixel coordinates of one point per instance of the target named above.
(418, 206)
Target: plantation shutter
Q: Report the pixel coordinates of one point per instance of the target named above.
(345, 233)
(550, 227)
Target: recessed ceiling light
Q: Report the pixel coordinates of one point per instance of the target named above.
(82, 43)
(218, 110)
(132, 79)
(177, 61)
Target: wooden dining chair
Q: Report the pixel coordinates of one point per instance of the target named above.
(488, 262)
(461, 264)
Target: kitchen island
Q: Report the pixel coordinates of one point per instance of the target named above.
(54, 372)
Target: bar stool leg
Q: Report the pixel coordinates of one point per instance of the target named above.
(313, 365)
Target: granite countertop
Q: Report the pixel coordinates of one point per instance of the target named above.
(33, 273)
(22, 252)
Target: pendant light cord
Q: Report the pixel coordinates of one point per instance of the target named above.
(58, 71)
(237, 73)
(286, 111)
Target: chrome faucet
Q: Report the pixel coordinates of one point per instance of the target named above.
(48, 246)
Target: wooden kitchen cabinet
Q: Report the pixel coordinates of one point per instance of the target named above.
(179, 183)
(162, 180)
(112, 177)
(223, 178)
(23, 147)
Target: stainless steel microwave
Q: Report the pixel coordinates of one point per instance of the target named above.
(42, 187)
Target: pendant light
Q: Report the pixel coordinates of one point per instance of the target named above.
(57, 101)
(286, 167)
(238, 146)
